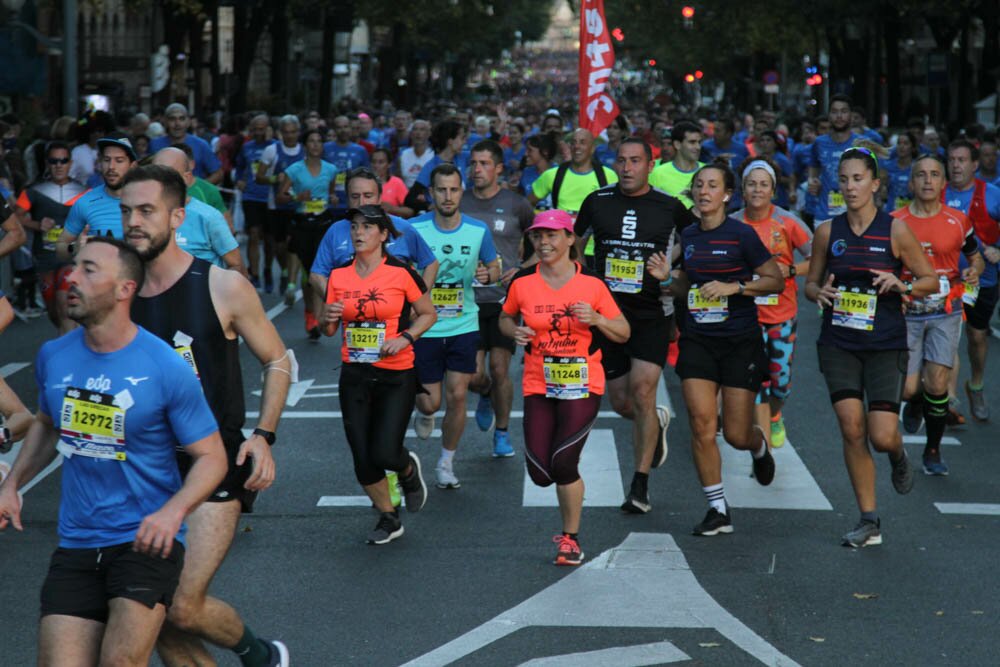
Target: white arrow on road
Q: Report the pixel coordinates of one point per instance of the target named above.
(646, 572)
(296, 392)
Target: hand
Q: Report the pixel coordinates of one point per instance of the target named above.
(827, 293)
(793, 196)
(508, 275)
(971, 276)
(332, 312)
(263, 463)
(393, 346)
(885, 281)
(658, 266)
(586, 314)
(786, 270)
(717, 290)
(483, 274)
(81, 240)
(10, 507)
(334, 200)
(523, 335)
(991, 254)
(46, 224)
(813, 188)
(241, 185)
(156, 533)
(305, 195)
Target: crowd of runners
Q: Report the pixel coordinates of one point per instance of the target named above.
(434, 247)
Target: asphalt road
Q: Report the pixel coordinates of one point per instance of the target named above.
(471, 581)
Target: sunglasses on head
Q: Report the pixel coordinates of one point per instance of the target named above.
(58, 160)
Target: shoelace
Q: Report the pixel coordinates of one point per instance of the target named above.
(566, 544)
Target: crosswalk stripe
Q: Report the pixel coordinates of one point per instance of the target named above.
(599, 470)
(986, 509)
(793, 488)
(922, 439)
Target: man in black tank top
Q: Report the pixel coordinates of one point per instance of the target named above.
(202, 310)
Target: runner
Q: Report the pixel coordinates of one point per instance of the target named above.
(177, 122)
(345, 155)
(988, 160)
(721, 347)
(508, 216)
(275, 159)
(934, 323)
(312, 183)
(413, 158)
(448, 141)
(783, 234)
(981, 202)
(255, 196)
(97, 212)
(47, 204)
(854, 276)
(539, 152)
(898, 194)
(373, 297)
(674, 177)
(607, 153)
(124, 402)
(393, 189)
(202, 312)
(464, 248)
(630, 221)
(560, 305)
(801, 158)
(826, 151)
(766, 145)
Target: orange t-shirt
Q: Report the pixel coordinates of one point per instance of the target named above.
(394, 191)
(941, 236)
(561, 361)
(376, 310)
(782, 234)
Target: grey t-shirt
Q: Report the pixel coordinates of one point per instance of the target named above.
(508, 215)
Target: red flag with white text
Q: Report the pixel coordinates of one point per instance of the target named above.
(597, 59)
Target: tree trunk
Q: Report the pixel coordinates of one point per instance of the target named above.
(279, 83)
(890, 34)
(326, 66)
(250, 22)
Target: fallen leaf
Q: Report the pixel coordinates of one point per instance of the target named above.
(866, 596)
(976, 612)
(818, 640)
(939, 613)
(709, 644)
(247, 529)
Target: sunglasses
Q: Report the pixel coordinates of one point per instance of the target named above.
(58, 160)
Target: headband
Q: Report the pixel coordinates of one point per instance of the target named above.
(760, 164)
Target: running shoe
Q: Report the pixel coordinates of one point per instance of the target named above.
(763, 468)
(715, 522)
(388, 528)
(414, 487)
(502, 448)
(935, 468)
(423, 425)
(446, 477)
(290, 294)
(902, 475)
(314, 335)
(955, 418)
(660, 453)
(778, 434)
(977, 403)
(637, 501)
(913, 416)
(485, 417)
(865, 534)
(278, 654)
(569, 552)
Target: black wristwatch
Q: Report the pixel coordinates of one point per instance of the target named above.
(269, 436)
(791, 270)
(742, 285)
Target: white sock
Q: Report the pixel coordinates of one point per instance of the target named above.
(716, 497)
(446, 456)
(759, 454)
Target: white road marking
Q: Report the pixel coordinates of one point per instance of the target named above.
(793, 488)
(995, 332)
(624, 656)
(344, 501)
(599, 470)
(985, 509)
(647, 572)
(922, 440)
(410, 433)
(337, 414)
(9, 369)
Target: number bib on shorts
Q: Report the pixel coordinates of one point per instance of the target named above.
(315, 206)
(970, 294)
(855, 310)
(623, 275)
(51, 238)
(448, 299)
(707, 311)
(566, 378)
(364, 341)
(94, 424)
(835, 202)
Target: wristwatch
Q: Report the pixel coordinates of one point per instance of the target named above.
(742, 286)
(792, 271)
(269, 436)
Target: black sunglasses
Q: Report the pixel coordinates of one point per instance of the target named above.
(58, 160)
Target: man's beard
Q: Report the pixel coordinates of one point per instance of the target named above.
(155, 249)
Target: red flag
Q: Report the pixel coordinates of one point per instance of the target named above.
(597, 59)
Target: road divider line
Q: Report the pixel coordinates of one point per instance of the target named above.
(344, 501)
(793, 488)
(922, 439)
(984, 509)
(599, 470)
(337, 414)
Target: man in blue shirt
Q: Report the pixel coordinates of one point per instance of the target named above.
(177, 122)
(345, 155)
(826, 150)
(124, 402)
(255, 197)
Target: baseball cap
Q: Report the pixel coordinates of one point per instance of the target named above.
(553, 219)
(175, 107)
(117, 139)
(374, 214)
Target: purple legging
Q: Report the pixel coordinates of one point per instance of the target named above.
(555, 431)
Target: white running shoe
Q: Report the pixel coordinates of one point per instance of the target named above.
(423, 425)
(446, 477)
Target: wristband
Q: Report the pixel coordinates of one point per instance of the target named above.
(667, 281)
(408, 336)
(742, 286)
(909, 288)
(792, 271)
(269, 436)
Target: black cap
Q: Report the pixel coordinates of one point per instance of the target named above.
(119, 139)
(373, 213)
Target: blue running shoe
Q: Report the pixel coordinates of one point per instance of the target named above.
(935, 468)
(485, 417)
(501, 445)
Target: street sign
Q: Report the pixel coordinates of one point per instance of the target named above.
(772, 88)
(771, 78)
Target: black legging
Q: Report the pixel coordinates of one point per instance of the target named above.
(377, 404)
(555, 431)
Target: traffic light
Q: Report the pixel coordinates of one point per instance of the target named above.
(815, 80)
(698, 74)
(688, 12)
(689, 78)
(618, 34)
(651, 62)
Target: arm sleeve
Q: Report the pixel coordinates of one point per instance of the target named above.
(753, 249)
(487, 250)
(800, 235)
(270, 157)
(583, 216)
(219, 236)
(41, 360)
(414, 286)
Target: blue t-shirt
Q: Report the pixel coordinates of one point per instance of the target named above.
(512, 159)
(736, 150)
(459, 252)
(996, 181)
(461, 162)
(344, 158)
(206, 162)
(606, 155)
(205, 233)
(99, 210)
(728, 253)
(786, 168)
(826, 156)
(318, 186)
(962, 201)
(121, 417)
(246, 170)
(898, 192)
(801, 158)
(337, 249)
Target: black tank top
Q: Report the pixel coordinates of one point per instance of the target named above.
(185, 318)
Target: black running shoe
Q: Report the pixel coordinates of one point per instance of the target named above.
(715, 522)
(660, 453)
(388, 528)
(414, 488)
(637, 501)
(763, 469)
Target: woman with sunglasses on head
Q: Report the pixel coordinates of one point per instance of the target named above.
(854, 275)
(372, 298)
(724, 266)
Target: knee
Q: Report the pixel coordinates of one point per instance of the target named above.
(853, 434)
(538, 476)
(456, 398)
(498, 370)
(620, 403)
(565, 474)
(884, 440)
(737, 437)
(183, 612)
(643, 393)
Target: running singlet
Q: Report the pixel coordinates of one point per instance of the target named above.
(861, 319)
(345, 158)
(826, 156)
(562, 360)
(668, 178)
(184, 316)
(120, 417)
(206, 162)
(942, 237)
(337, 248)
(49, 200)
(459, 252)
(376, 310)
(247, 163)
(574, 189)
(507, 215)
(962, 200)
(781, 233)
(728, 253)
(205, 233)
(627, 230)
(99, 210)
(318, 186)
(411, 164)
